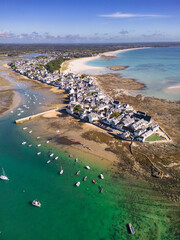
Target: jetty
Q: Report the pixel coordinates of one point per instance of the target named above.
(25, 119)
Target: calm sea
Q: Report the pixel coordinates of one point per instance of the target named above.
(69, 212)
(158, 68)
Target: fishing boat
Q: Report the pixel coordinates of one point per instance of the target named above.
(87, 167)
(23, 143)
(30, 131)
(94, 181)
(38, 153)
(3, 176)
(78, 172)
(76, 160)
(85, 178)
(77, 184)
(52, 154)
(38, 145)
(48, 161)
(24, 128)
(56, 158)
(131, 228)
(101, 176)
(36, 203)
(101, 189)
(61, 172)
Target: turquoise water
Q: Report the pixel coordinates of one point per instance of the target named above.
(69, 212)
(158, 68)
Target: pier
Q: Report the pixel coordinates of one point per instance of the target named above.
(25, 119)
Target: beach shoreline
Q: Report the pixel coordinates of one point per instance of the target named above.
(80, 66)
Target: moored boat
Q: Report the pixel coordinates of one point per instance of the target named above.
(76, 160)
(94, 181)
(38, 145)
(77, 184)
(52, 154)
(3, 176)
(101, 176)
(101, 189)
(38, 153)
(85, 178)
(56, 158)
(87, 167)
(36, 203)
(78, 172)
(131, 228)
(48, 161)
(23, 143)
(61, 172)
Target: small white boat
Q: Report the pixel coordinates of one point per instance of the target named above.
(18, 114)
(36, 203)
(23, 143)
(38, 137)
(40, 103)
(101, 176)
(56, 158)
(52, 154)
(87, 167)
(38, 145)
(11, 111)
(3, 176)
(38, 153)
(47, 141)
(48, 161)
(57, 131)
(24, 128)
(61, 172)
(77, 184)
(30, 131)
(76, 160)
(22, 111)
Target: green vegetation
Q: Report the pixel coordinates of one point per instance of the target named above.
(115, 115)
(154, 137)
(83, 76)
(77, 108)
(54, 65)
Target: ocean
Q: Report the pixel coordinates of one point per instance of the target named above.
(70, 212)
(157, 68)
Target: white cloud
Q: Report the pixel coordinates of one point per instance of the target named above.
(130, 15)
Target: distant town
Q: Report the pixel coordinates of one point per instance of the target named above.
(87, 101)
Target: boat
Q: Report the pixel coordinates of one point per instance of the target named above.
(78, 172)
(101, 189)
(87, 167)
(47, 141)
(101, 176)
(61, 172)
(38, 145)
(38, 153)
(24, 128)
(131, 228)
(77, 184)
(57, 131)
(94, 181)
(23, 143)
(30, 145)
(30, 131)
(76, 160)
(48, 161)
(52, 154)
(3, 176)
(38, 137)
(85, 178)
(70, 155)
(56, 158)
(36, 203)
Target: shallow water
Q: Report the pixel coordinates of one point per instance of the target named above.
(69, 212)
(157, 68)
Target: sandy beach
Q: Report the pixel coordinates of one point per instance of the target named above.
(80, 65)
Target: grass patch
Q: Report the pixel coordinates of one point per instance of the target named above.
(154, 137)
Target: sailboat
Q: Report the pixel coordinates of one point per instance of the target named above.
(61, 172)
(3, 176)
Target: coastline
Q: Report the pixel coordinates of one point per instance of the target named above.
(79, 66)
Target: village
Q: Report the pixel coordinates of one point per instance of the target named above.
(88, 103)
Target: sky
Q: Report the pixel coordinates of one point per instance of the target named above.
(89, 21)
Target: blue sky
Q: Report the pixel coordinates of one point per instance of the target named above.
(83, 21)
